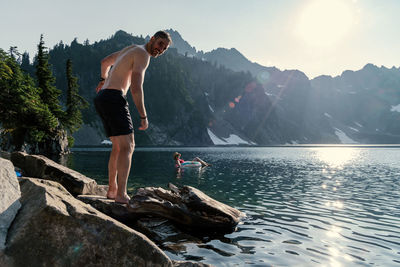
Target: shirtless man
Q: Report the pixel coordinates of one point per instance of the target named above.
(128, 68)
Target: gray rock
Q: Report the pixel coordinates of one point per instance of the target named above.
(55, 229)
(57, 145)
(9, 198)
(100, 190)
(5, 155)
(39, 166)
(157, 229)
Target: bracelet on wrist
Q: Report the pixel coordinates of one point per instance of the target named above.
(143, 118)
(102, 79)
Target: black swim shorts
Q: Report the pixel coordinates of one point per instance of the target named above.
(113, 109)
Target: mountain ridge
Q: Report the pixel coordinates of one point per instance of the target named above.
(218, 96)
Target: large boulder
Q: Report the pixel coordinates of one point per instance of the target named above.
(9, 198)
(53, 228)
(39, 166)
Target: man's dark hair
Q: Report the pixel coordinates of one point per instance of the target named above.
(164, 35)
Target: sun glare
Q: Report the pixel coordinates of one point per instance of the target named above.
(325, 22)
(336, 156)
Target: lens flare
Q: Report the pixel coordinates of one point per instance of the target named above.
(237, 99)
(263, 77)
(250, 87)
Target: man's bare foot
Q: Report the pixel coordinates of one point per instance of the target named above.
(112, 192)
(123, 200)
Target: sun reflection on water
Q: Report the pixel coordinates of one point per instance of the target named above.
(334, 232)
(336, 157)
(336, 204)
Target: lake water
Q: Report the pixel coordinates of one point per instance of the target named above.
(305, 206)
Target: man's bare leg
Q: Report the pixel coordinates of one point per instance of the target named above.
(112, 169)
(126, 146)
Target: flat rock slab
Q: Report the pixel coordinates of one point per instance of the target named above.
(9, 198)
(53, 228)
(39, 166)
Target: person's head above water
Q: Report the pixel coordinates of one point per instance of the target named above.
(176, 155)
(158, 43)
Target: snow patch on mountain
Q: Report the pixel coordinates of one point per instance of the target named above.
(395, 108)
(106, 142)
(231, 140)
(354, 129)
(344, 139)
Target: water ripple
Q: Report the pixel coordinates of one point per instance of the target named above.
(305, 206)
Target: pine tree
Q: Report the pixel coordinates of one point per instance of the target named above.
(45, 81)
(23, 116)
(26, 65)
(74, 103)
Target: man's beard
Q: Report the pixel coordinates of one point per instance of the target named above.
(154, 53)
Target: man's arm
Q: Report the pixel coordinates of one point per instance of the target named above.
(140, 64)
(106, 64)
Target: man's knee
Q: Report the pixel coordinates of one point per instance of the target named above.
(127, 144)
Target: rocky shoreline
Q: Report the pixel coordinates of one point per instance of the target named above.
(55, 216)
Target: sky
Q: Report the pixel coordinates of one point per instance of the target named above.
(318, 37)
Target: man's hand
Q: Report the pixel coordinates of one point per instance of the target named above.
(99, 86)
(144, 124)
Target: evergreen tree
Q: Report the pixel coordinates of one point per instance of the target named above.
(45, 81)
(13, 52)
(23, 116)
(25, 64)
(75, 103)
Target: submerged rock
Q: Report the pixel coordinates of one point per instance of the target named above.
(190, 264)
